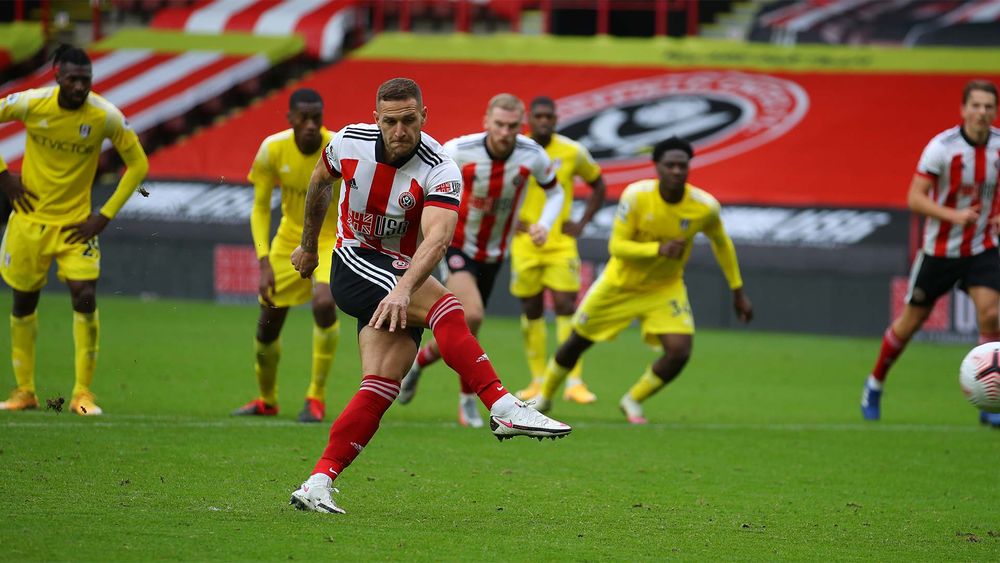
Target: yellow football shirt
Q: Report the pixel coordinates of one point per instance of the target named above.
(61, 151)
(644, 221)
(571, 159)
(279, 162)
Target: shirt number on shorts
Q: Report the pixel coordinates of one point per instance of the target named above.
(676, 309)
(92, 248)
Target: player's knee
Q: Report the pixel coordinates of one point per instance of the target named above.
(988, 318)
(85, 299)
(570, 351)
(533, 307)
(564, 307)
(474, 318)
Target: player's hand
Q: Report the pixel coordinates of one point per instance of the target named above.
(266, 286)
(304, 261)
(538, 233)
(744, 309)
(19, 196)
(673, 248)
(573, 228)
(392, 310)
(967, 216)
(82, 232)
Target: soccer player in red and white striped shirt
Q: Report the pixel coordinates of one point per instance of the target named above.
(496, 165)
(954, 188)
(397, 213)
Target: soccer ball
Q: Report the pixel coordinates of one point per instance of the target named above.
(980, 376)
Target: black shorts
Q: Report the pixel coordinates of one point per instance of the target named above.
(932, 276)
(361, 278)
(484, 272)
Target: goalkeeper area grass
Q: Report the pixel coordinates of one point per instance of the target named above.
(756, 452)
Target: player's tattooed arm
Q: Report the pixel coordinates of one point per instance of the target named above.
(318, 199)
(305, 258)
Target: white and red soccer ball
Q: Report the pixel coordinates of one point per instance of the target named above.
(980, 376)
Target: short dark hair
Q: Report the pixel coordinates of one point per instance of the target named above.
(542, 101)
(981, 85)
(304, 96)
(69, 54)
(399, 89)
(673, 143)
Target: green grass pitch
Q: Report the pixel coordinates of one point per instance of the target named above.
(757, 452)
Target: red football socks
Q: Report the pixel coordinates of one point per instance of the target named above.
(357, 424)
(462, 352)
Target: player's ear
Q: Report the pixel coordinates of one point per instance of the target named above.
(375, 115)
(423, 115)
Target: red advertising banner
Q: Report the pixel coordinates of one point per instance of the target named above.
(801, 139)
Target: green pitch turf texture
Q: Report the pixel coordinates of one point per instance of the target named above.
(757, 452)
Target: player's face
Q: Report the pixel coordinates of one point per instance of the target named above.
(74, 84)
(306, 119)
(672, 169)
(542, 121)
(400, 122)
(979, 110)
(502, 127)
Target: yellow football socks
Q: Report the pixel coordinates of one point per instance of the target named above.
(23, 332)
(533, 331)
(86, 333)
(266, 366)
(555, 374)
(564, 326)
(648, 384)
(325, 342)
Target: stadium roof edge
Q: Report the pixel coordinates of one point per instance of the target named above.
(677, 53)
(231, 43)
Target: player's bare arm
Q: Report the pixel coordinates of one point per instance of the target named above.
(438, 227)
(19, 196)
(598, 191)
(305, 257)
(919, 200)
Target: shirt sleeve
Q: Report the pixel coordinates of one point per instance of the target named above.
(931, 162)
(119, 131)
(544, 170)
(444, 186)
(724, 250)
(13, 108)
(586, 167)
(622, 243)
(263, 179)
(331, 154)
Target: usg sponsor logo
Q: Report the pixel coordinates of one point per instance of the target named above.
(722, 114)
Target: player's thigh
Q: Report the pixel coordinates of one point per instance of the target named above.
(982, 280)
(290, 288)
(464, 285)
(26, 252)
(562, 271)
(931, 277)
(667, 311)
(526, 270)
(386, 354)
(604, 313)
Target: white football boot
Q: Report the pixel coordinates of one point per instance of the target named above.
(408, 386)
(315, 496)
(523, 420)
(468, 411)
(632, 410)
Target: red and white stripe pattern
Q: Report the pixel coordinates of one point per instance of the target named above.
(380, 205)
(323, 24)
(148, 87)
(494, 190)
(964, 175)
(381, 386)
(447, 304)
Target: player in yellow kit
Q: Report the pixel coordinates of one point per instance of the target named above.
(556, 264)
(52, 217)
(651, 240)
(287, 159)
